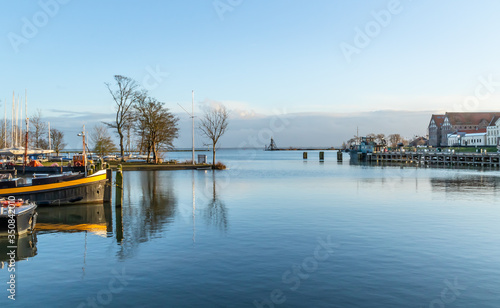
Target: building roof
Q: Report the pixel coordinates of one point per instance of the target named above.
(494, 120)
(438, 119)
(473, 131)
(470, 118)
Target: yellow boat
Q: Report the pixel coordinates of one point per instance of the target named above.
(61, 189)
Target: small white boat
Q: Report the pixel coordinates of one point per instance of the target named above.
(17, 217)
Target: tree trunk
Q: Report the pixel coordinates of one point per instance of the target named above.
(155, 157)
(213, 161)
(120, 134)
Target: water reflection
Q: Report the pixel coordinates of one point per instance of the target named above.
(215, 212)
(149, 204)
(74, 218)
(466, 184)
(26, 248)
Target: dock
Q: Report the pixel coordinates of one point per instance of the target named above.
(434, 158)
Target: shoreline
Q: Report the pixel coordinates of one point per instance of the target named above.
(159, 167)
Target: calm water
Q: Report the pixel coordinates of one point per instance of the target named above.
(272, 228)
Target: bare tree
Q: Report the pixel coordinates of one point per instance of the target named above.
(101, 141)
(381, 139)
(394, 139)
(124, 97)
(213, 125)
(57, 137)
(156, 126)
(38, 129)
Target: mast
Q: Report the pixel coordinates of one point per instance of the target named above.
(26, 108)
(5, 123)
(192, 117)
(19, 121)
(50, 148)
(26, 144)
(357, 135)
(12, 121)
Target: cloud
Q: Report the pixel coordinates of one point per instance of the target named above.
(313, 128)
(299, 129)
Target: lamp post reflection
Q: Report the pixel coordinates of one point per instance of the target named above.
(194, 207)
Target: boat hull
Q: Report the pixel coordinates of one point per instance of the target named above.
(25, 221)
(46, 169)
(86, 190)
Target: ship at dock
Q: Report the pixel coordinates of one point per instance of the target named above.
(60, 189)
(364, 147)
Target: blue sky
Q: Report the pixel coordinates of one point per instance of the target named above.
(260, 58)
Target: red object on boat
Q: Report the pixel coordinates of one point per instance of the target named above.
(35, 163)
(17, 202)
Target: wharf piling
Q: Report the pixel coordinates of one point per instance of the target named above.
(304, 155)
(119, 186)
(321, 156)
(107, 188)
(436, 158)
(339, 156)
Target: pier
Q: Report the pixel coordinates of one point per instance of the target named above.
(434, 158)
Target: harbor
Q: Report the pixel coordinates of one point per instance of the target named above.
(180, 223)
(265, 154)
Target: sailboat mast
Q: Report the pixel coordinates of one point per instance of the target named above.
(5, 124)
(15, 122)
(19, 125)
(12, 121)
(20, 122)
(26, 109)
(50, 147)
(26, 144)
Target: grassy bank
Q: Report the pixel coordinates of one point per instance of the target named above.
(151, 167)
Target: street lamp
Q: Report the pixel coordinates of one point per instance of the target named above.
(82, 134)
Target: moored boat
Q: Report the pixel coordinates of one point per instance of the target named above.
(61, 189)
(17, 217)
(365, 147)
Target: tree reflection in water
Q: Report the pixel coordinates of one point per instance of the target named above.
(144, 216)
(215, 212)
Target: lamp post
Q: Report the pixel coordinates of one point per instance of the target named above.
(191, 115)
(82, 134)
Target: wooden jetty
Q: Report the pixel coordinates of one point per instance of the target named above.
(434, 158)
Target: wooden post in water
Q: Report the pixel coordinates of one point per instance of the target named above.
(304, 155)
(91, 169)
(108, 215)
(119, 223)
(339, 155)
(119, 186)
(118, 203)
(321, 156)
(108, 186)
